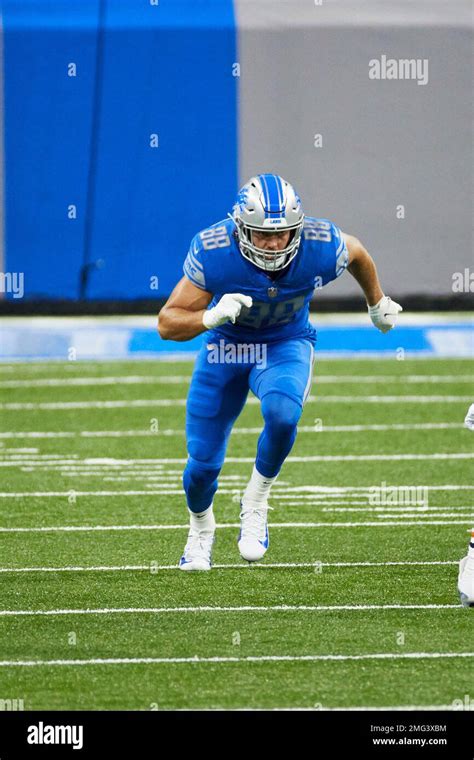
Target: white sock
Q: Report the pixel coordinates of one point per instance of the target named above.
(258, 489)
(203, 520)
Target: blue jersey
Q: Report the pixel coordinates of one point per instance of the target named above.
(280, 308)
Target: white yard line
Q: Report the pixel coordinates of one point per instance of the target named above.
(120, 404)
(294, 492)
(356, 490)
(14, 460)
(350, 457)
(342, 428)
(249, 659)
(413, 515)
(151, 403)
(285, 525)
(73, 491)
(57, 382)
(419, 510)
(322, 708)
(392, 708)
(152, 568)
(369, 379)
(307, 501)
(366, 490)
(16, 451)
(79, 434)
(22, 457)
(246, 608)
(326, 507)
(235, 431)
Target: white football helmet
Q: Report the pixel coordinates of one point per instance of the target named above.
(267, 203)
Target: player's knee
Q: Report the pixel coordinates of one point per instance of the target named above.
(200, 484)
(198, 477)
(210, 453)
(280, 412)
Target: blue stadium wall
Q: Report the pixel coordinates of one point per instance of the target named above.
(391, 165)
(86, 182)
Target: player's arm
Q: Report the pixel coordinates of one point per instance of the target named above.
(181, 316)
(363, 269)
(382, 310)
(185, 313)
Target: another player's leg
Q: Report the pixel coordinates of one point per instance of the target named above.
(466, 576)
(469, 419)
(216, 397)
(282, 387)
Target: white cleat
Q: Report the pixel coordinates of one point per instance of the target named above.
(253, 538)
(198, 549)
(466, 581)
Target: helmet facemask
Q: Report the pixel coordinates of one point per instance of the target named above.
(269, 260)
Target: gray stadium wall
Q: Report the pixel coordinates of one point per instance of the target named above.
(385, 143)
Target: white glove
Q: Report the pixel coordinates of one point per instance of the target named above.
(228, 308)
(384, 314)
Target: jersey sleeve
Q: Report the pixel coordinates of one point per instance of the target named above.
(329, 254)
(193, 266)
(341, 254)
(333, 253)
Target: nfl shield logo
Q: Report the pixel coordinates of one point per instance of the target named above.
(272, 292)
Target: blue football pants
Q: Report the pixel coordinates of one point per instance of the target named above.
(217, 394)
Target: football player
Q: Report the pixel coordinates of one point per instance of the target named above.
(466, 565)
(249, 280)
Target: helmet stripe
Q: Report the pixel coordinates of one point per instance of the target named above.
(273, 195)
(266, 196)
(281, 196)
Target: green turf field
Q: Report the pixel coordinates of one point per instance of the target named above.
(355, 604)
